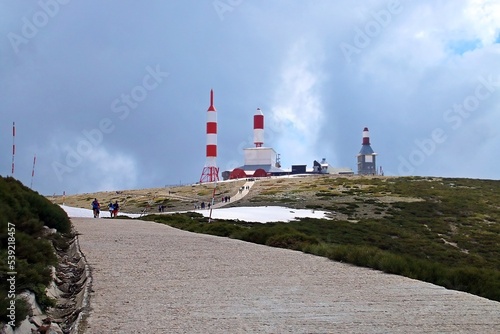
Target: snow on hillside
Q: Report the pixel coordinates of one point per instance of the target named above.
(262, 214)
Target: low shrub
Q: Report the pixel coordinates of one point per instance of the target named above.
(293, 240)
(28, 211)
(221, 229)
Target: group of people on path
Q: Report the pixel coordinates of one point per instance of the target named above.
(202, 205)
(207, 205)
(112, 207)
(243, 188)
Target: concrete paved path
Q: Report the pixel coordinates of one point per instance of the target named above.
(236, 197)
(151, 278)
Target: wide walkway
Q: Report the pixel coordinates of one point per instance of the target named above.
(244, 190)
(151, 278)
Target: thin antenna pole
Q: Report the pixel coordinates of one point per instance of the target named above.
(33, 172)
(213, 201)
(13, 145)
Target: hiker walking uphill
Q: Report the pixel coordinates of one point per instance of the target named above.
(96, 207)
(115, 209)
(111, 209)
(242, 192)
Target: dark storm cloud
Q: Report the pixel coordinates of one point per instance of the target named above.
(113, 95)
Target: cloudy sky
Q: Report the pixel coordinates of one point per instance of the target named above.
(113, 94)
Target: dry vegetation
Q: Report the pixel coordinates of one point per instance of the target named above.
(346, 198)
(310, 191)
(177, 198)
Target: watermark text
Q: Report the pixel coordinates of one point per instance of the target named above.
(30, 27)
(454, 117)
(381, 19)
(223, 6)
(11, 274)
(122, 107)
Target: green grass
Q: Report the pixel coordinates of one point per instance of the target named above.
(34, 250)
(450, 238)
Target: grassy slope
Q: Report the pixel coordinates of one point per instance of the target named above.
(28, 212)
(135, 201)
(444, 231)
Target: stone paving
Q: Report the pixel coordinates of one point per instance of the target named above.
(151, 278)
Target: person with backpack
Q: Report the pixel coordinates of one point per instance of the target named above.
(96, 207)
(115, 209)
(111, 209)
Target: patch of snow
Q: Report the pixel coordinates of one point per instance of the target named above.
(260, 214)
(263, 214)
(73, 212)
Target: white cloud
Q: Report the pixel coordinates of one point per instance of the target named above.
(297, 114)
(429, 35)
(483, 18)
(113, 170)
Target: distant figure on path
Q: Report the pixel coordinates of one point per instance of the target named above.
(96, 207)
(110, 208)
(115, 209)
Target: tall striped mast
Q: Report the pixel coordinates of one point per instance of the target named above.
(258, 128)
(33, 172)
(13, 145)
(210, 172)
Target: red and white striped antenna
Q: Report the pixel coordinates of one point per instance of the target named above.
(33, 172)
(210, 172)
(366, 137)
(258, 128)
(13, 145)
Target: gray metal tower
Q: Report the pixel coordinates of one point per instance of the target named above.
(366, 156)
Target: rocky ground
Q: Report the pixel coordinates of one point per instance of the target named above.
(151, 278)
